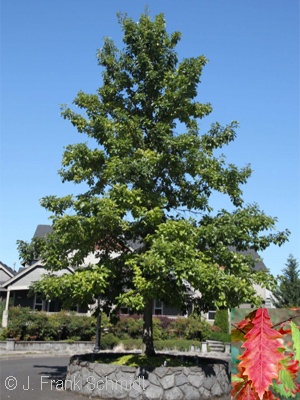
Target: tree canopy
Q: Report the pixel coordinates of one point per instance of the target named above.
(287, 294)
(149, 179)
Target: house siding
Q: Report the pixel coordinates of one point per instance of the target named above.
(27, 279)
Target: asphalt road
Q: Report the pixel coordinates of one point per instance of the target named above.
(35, 378)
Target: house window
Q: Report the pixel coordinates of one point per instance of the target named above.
(158, 307)
(211, 314)
(268, 303)
(50, 306)
(38, 302)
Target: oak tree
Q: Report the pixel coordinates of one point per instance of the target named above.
(148, 180)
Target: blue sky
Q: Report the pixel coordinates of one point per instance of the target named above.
(48, 54)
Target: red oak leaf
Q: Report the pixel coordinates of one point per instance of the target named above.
(237, 383)
(284, 331)
(243, 327)
(261, 359)
(247, 393)
(269, 396)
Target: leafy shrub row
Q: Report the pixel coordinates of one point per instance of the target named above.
(24, 324)
(191, 328)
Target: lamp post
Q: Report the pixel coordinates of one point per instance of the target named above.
(98, 328)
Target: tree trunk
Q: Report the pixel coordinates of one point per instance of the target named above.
(148, 330)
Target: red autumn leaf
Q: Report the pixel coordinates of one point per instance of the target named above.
(261, 359)
(247, 393)
(237, 383)
(269, 396)
(284, 331)
(243, 327)
(239, 333)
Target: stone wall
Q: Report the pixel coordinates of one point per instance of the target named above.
(215, 347)
(210, 379)
(47, 346)
(57, 347)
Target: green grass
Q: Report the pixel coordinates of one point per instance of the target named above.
(139, 360)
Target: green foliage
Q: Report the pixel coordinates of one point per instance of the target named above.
(222, 337)
(296, 340)
(287, 294)
(131, 327)
(176, 344)
(132, 344)
(180, 333)
(191, 328)
(128, 326)
(19, 319)
(23, 324)
(3, 334)
(2, 307)
(139, 360)
(108, 341)
(150, 166)
(221, 320)
(159, 332)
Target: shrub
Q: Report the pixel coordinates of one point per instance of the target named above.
(180, 345)
(128, 326)
(132, 344)
(165, 322)
(2, 307)
(39, 327)
(3, 333)
(78, 327)
(162, 327)
(214, 328)
(191, 328)
(221, 320)
(108, 341)
(158, 332)
(25, 324)
(19, 320)
(220, 336)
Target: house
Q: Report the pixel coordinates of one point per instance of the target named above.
(14, 287)
(17, 290)
(5, 274)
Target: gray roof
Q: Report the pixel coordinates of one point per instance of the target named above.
(42, 230)
(9, 272)
(259, 264)
(8, 268)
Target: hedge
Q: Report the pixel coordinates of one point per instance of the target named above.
(24, 324)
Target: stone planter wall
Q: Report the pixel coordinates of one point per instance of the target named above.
(209, 380)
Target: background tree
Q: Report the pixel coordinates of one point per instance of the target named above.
(287, 294)
(150, 172)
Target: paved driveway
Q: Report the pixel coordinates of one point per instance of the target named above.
(34, 378)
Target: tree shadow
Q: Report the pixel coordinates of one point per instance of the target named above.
(52, 372)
